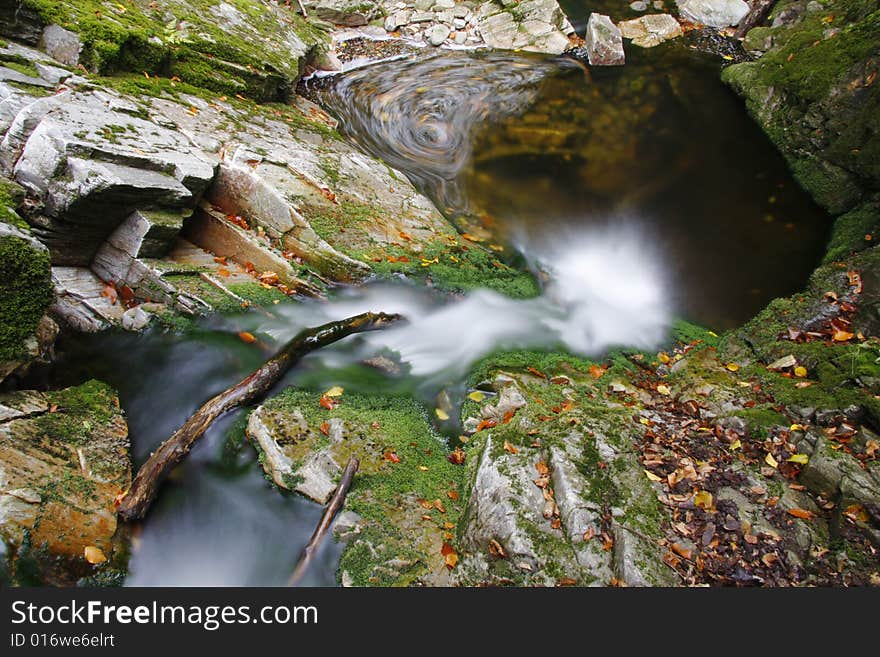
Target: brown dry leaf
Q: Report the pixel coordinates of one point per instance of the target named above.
(769, 559)
(450, 554)
(425, 504)
(537, 373)
(109, 292)
(703, 500)
(325, 428)
(391, 456)
(94, 555)
(510, 448)
(439, 506)
(803, 514)
(542, 468)
(327, 402)
(496, 549)
(452, 495)
(596, 371)
(457, 456)
(486, 424)
(566, 581)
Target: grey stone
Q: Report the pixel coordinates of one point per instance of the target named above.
(459, 23)
(61, 44)
(350, 13)
(604, 42)
(714, 13)
(423, 5)
(135, 319)
(422, 17)
(648, 31)
(440, 5)
(460, 38)
(639, 5)
(438, 34)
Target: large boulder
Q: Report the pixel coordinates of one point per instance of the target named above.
(714, 13)
(532, 25)
(350, 13)
(603, 42)
(64, 458)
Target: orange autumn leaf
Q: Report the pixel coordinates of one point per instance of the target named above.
(510, 448)
(327, 402)
(542, 468)
(450, 555)
(537, 373)
(247, 338)
(225, 273)
(452, 495)
(325, 428)
(392, 456)
(508, 416)
(457, 456)
(842, 336)
(801, 513)
(596, 371)
(486, 424)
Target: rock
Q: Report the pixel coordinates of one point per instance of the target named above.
(60, 473)
(603, 42)
(424, 5)
(61, 44)
(135, 319)
(460, 38)
(440, 5)
(25, 293)
(389, 542)
(714, 13)
(397, 20)
(438, 34)
(350, 13)
(537, 26)
(422, 17)
(639, 5)
(648, 31)
(830, 472)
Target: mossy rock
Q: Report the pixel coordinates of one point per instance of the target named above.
(25, 290)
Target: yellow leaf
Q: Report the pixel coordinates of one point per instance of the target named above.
(477, 396)
(712, 333)
(663, 357)
(644, 420)
(803, 459)
(842, 336)
(652, 476)
(335, 391)
(94, 555)
(797, 427)
(663, 389)
(441, 414)
(800, 371)
(703, 500)
(736, 444)
(733, 367)
(772, 462)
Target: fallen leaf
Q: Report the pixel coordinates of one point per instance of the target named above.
(451, 556)
(542, 468)
(94, 555)
(335, 391)
(327, 402)
(663, 357)
(801, 513)
(392, 456)
(246, 337)
(803, 459)
(736, 444)
(663, 389)
(477, 396)
(842, 336)
(733, 367)
(680, 550)
(325, 428)
(441, 414)
(566, 581)
(652, 476)
(800, 371)
(596, 371)
(439, 506)
(769, 460)
(486, 424)
(457, 456)
(510, 448)
(452, 495)
(537, 373)
(703, 500)
(496, 549)
(769, 559)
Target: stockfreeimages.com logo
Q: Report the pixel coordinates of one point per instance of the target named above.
(209, 617)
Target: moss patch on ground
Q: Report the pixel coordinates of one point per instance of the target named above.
(405, 487)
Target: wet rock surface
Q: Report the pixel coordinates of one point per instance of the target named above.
(603, 42)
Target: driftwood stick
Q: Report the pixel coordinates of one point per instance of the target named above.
(759, 11)
(143, 489)
(330, 511)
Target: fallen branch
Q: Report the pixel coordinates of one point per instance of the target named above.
(330, 512)
(759, 11)
(135, 502)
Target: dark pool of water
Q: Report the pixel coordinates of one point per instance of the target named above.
(540, 147)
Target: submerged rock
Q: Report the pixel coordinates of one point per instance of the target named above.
(651, 30)
(604, 42)
(64, 458)
(714, 13)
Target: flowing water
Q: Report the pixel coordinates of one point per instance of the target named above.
(644, 192)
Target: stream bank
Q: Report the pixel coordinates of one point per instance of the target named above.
(620, 471)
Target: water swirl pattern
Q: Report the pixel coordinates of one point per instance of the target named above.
(420, 116)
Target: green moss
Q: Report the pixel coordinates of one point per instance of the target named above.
(25, 293)
(79, 410)
(850, 230)
(25, 68)
(11, 196)
(257, 295)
